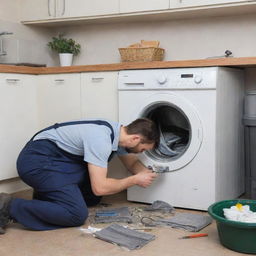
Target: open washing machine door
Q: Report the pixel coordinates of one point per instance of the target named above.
(180, 129)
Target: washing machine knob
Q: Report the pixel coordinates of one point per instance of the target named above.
(162, 79)
(198, 79)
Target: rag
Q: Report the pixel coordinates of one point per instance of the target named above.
(124, 237)
(240, 213)
(188, 221)
(159, 206)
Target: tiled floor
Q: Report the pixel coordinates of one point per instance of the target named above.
(72, 242)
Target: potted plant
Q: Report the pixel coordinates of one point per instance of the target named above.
(66, 48)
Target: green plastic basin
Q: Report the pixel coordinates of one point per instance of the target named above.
(235, 235)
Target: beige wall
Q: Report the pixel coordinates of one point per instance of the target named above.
(182, 39)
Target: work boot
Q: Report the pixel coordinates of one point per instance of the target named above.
(5, 200)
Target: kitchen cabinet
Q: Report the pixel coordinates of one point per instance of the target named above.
(195, 3)
(143, 5)
(37, 9)
(18, 112)
(32, 10)
(58, 98)
(99, 95)
(80, 8)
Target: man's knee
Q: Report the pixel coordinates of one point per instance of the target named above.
(78, 217)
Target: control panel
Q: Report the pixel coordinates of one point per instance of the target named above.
(164, 79)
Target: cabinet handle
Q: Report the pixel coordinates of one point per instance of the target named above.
(12, 80)
(59, 80)
(131, 83)
(64, 7)
(49, 11)
(97, 79)
(55, 8)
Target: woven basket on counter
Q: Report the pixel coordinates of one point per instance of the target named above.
(141, 54)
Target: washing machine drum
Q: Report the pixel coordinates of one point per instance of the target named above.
(178, 145)
(174, 131)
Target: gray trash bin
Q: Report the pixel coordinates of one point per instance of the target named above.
(249, 121)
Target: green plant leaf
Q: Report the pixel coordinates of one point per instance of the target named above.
(61, 44)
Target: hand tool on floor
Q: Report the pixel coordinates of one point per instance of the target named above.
(194, 236)
(151, 222)
(121, 214)
(106, 213)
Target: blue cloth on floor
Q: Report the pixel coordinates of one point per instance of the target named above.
(121, 214)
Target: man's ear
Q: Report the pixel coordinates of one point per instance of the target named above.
(135, 138)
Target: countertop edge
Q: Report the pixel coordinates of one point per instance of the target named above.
(241, 62)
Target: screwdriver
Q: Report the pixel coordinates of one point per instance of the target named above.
(194, 236)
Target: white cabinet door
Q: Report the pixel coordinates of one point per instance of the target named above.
(37, 9)
(80, 8)
(143, 5)
(194, 3)
(18, 113)
(58, 98)
(99, 95)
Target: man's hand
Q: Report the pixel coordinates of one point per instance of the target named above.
(133, 164)
(145, 178)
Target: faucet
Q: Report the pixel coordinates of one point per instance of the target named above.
(2, 52)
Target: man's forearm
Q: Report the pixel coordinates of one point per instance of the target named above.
(112, 186)
(101, 185)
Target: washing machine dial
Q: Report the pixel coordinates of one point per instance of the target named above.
(161, 79)
(198, 79)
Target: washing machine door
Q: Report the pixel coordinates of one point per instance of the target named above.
(180, 129)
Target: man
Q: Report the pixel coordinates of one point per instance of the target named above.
(66, 164)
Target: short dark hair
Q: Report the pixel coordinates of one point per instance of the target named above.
(146, 128)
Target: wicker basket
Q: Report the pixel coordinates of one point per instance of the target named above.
(141, 54)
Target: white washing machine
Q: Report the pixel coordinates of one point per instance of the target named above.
(198, 112)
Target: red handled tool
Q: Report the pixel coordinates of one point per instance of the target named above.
(194, 236)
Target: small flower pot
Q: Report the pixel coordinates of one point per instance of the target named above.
(66, 59)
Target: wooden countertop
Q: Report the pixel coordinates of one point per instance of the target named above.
(241, 62)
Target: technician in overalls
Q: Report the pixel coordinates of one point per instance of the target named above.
(66, 165)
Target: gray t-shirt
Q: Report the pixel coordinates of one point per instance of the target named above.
(90, 138)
